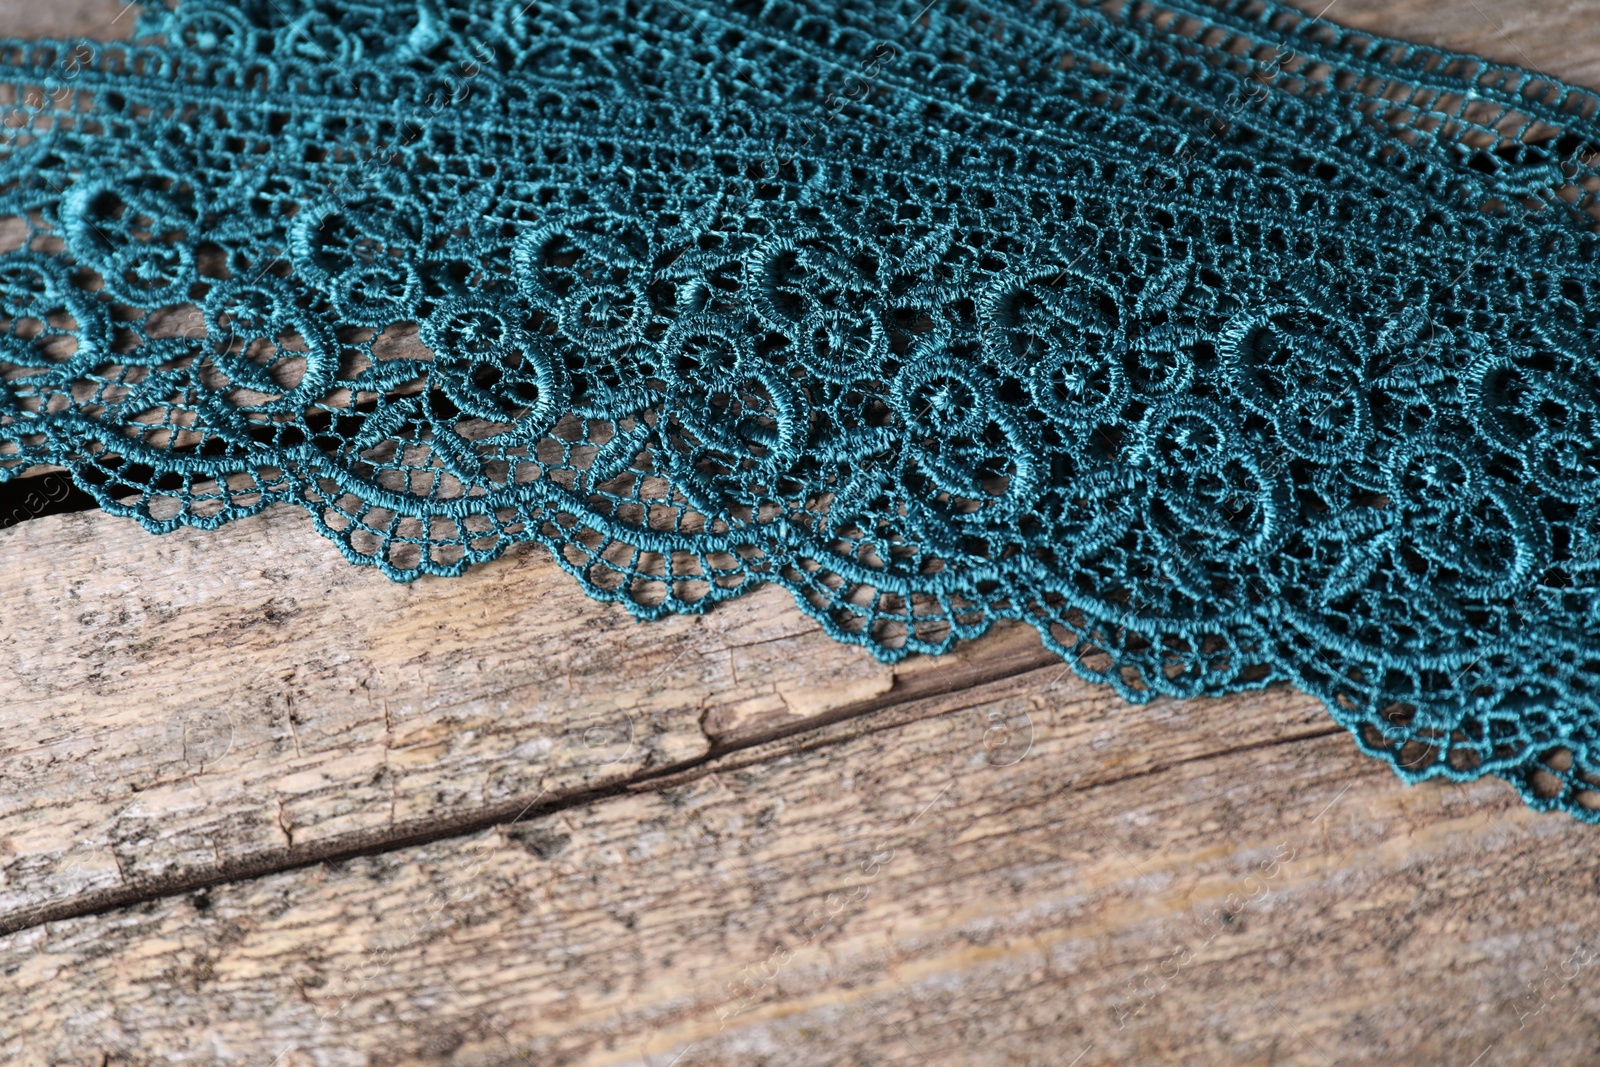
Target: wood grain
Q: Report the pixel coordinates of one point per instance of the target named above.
(263, 703)
(1192, 885)
(1555, 37)
(100, 20)
(260, 810)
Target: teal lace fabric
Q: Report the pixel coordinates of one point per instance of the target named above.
(1224, 346)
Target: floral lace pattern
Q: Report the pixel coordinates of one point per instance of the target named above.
(1176, 330)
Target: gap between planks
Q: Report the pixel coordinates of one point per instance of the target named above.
(720, 756)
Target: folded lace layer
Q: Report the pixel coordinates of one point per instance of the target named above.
(986, 339)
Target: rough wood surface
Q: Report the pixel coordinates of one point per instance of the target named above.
(260, 810)
(1189, 884)
(263, 703)
(1556, 37)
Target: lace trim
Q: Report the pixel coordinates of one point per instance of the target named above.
(1224, 346)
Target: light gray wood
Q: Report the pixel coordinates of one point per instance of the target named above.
(1187, 884)
(200, 706)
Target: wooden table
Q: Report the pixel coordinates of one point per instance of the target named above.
(262, 807)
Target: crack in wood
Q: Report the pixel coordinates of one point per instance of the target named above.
(723, 756)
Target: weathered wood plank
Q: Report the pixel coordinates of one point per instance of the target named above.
(893, 891)
(1556, 37)
(101, 20)
(207, 705)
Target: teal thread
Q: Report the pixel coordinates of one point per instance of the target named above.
(1224, 346)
